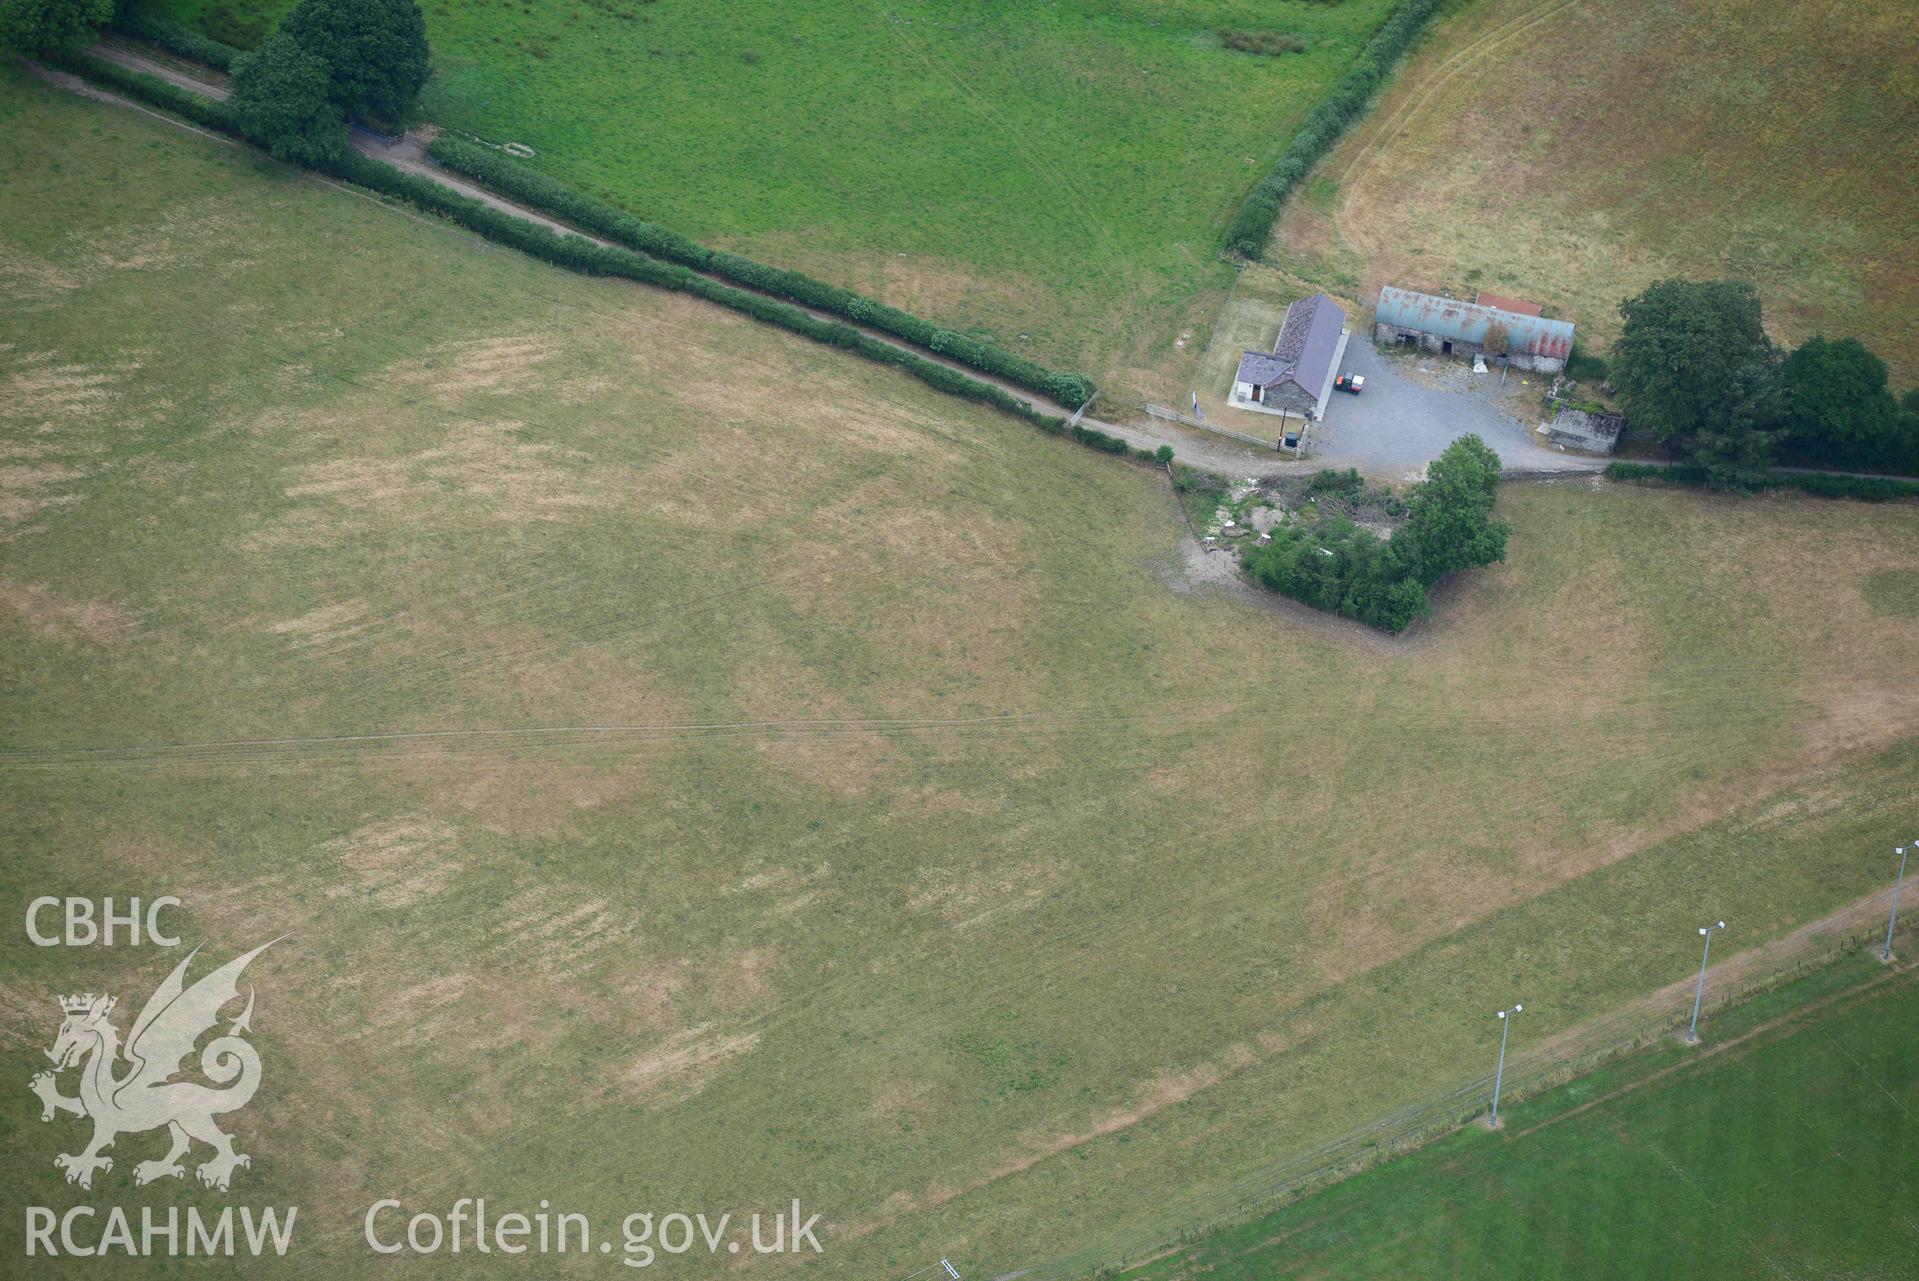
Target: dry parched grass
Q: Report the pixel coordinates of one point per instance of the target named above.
(1573, 153)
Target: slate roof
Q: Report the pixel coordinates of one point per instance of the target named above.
(1462, 321)
(1305, 348)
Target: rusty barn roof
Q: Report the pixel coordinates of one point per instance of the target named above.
(1462, 321)
(1519, 305)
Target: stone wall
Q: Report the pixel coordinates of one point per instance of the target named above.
(1389, 335)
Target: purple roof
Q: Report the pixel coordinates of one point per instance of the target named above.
(1304, 351)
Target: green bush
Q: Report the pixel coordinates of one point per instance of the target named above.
(240, 30)
(174, 38)
(498, 172)
(1342, 483)
(1345, 103)
(1270, 43)
(1332, 564)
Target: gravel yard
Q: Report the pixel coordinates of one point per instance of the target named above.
(1413, 408)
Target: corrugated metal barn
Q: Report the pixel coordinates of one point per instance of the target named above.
(1455, 327)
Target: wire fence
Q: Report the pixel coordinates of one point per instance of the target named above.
(1530, 1071)
(1173, 415)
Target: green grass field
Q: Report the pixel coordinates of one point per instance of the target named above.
(885, 823)
(1790, 1147)
(1574, 153)
(1054, 176)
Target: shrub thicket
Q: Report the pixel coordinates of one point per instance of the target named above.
(494, 170)
(42, 27)
(1330, 563)
(1345, 103)
(1270, 43)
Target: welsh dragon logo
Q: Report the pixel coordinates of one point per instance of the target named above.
(146, 1097)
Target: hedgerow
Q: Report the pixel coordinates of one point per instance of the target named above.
(1871, 489)
(1345, 103)
(576, 253)
(196, 107)
(496, 171)
(175, 38)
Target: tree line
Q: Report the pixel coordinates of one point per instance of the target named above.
(1694, 367)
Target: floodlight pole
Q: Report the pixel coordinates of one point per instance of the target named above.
(1499, 1074)
(1692, 1033)
(1897, 885)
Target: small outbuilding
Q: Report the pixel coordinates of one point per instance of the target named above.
(1297, 377)
(1489, 326)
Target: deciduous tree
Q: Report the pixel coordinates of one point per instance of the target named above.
(375, 52)
(1450, 525)
(1694, 367)
(280, 98)
(1838, 408)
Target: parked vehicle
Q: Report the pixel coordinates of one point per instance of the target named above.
(1353, 383)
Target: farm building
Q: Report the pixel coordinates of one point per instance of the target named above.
(1297, 377)
(1455, 327)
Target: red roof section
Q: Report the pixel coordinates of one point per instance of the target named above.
(1519, 305)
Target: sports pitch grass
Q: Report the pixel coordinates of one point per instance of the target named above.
(1789, 1147)
(938, 857)
(1054, 176)
(1573, 153)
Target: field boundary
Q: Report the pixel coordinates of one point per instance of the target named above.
(1564, 1057)
(536, 191)
(503, 222)
(1347, 101)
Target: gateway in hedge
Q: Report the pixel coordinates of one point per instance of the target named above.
(1487, 326)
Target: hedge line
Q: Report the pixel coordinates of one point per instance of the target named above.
(576, 253)
(1346, 102)
(1871, 489)
(495, 170)
(174, 38)
(196, 107)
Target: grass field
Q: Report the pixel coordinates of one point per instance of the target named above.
(1788, 1148)
(1054, 176)
(886, 827)
(1573, 153)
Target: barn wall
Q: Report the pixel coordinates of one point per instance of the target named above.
(1386, 335)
